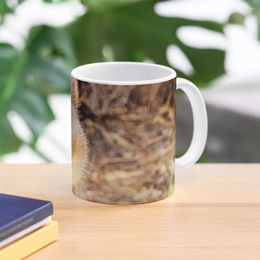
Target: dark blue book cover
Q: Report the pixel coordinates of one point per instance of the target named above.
(18, 213)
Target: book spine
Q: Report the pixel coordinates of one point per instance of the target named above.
(31, 243)
(26, 221)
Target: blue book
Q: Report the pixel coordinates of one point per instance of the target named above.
(20, 213)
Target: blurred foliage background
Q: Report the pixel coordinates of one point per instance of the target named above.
(106, 30)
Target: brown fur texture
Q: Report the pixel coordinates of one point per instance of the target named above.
(123, 142)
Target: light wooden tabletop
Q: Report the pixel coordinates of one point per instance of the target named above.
(213, 214)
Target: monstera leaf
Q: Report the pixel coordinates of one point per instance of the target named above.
(28, 77)
(110, 30)
(133, 31)
(105, 5)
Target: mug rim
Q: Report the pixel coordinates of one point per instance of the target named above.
(76, 73)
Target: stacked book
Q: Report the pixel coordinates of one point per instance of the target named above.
(26, 226)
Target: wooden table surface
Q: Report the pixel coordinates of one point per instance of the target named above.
(213, 214)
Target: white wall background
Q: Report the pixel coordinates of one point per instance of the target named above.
(242, 62)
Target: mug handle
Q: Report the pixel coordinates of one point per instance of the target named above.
(200, 124)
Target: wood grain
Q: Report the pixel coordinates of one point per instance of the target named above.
(214, 213)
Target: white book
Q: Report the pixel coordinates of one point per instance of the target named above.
(24, 232)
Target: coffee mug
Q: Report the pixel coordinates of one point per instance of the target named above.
(123, 131)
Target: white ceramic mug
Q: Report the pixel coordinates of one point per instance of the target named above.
(123, 131)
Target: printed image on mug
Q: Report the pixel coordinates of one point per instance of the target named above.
(123, 132)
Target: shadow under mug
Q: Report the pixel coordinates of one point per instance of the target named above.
(123, 131)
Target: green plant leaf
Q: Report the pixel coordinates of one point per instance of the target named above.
(105, 5)
(9, 142)
(4, 8)
(134, 31)
(111, 30)
(28, 77)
